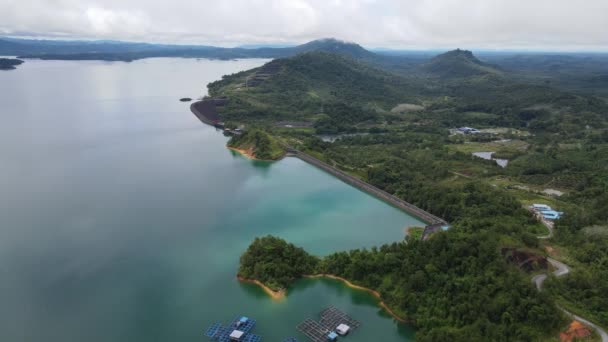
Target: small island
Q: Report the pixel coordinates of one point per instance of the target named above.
(9, 63)
(185, 99)
(274, 264)
(257, 144)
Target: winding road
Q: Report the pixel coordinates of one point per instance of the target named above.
(562, 269)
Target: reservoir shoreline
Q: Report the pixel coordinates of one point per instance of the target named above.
(278, 295)
(249, 154)
(209, 117)
(374, 293)
(409, 208)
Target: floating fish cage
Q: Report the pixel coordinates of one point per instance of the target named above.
(332, 323)
(238, 330)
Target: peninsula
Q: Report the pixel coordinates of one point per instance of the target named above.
(256, 144)
(9, 63)
(410, 294)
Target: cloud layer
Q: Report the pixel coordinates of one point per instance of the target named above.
(535, 24)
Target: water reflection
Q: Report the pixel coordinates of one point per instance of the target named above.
(124, 217)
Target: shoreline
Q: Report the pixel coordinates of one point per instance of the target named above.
(244, 153)
(374, 293)
(422, 215)
(249, 154)
(276, 295)
(209, 115)
(279, 295)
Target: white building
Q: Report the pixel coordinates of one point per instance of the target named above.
(236, 335)
(342, 329)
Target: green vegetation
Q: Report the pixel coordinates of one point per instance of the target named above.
(275, 262)
(258, 144)
(333, 91)
(457, 285)
(414, 233)
(584, 290)
(458, 63)
(340, 94)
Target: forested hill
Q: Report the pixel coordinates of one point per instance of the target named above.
(312, 86)
(336, 46)
(341, 94)
(458, 63)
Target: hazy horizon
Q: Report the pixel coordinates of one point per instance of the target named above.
(378, 49)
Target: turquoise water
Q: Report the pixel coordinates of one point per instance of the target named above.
(123, 217)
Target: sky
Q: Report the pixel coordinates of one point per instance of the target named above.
(570, 25)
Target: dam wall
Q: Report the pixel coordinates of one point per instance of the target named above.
(372, 190)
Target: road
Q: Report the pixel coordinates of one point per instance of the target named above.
(562, 269)
(549, 226)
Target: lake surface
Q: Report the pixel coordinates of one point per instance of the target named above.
(123, 217)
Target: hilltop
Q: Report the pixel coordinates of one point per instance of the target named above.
(314, 86)
(336, 46)
(458, 63)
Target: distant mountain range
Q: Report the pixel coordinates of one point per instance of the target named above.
(581, 71)
(125, 51)
(457, 63)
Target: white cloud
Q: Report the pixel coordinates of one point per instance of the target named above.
(107, 22)
(554, 24)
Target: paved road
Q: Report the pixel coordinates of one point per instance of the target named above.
(549, 226)
(599, 330)
(562, 269)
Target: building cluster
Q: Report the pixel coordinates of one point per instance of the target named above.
(546, 211)
(236, 131)
(469, 130)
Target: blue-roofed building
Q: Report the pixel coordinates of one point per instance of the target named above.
(551, 214)
(540, 207)
(242, 321)
(332, 336)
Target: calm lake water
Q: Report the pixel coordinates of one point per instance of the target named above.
(123, 217)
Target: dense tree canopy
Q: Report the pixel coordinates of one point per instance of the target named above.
(259, 143)
(455, 287)
(275, 262)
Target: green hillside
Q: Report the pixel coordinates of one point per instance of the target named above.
(335, 94)
(458, 63)
(258, 144)
(321, 88)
